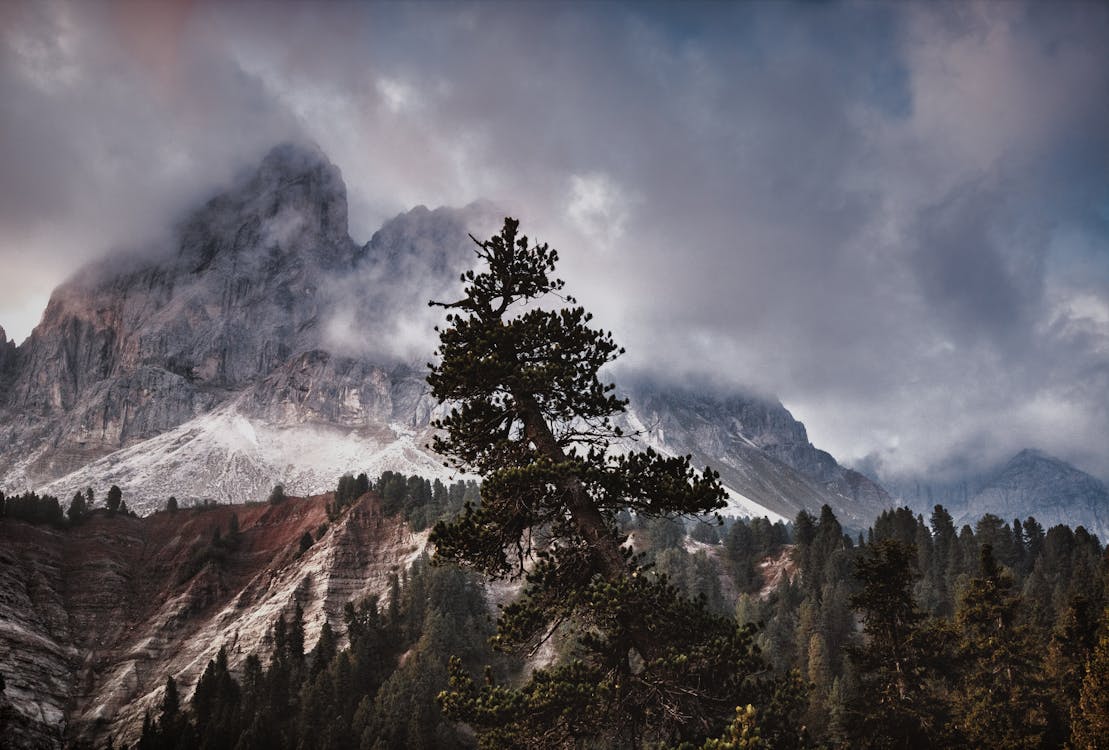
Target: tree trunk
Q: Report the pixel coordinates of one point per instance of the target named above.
(606, 552)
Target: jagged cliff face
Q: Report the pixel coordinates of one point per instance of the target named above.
(93, 618)
(762, 453)
(133, 347)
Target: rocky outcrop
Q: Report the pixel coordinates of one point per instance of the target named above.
(93, 618)
(320, 387)
(760, 450)
(134, 346)
(7, 357)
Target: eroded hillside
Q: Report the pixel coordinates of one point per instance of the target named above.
(92, 618)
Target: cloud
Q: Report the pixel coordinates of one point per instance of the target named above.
(896, 217)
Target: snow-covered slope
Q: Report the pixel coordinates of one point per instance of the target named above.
(227, 457)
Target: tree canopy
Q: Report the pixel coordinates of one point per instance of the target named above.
(530, 414)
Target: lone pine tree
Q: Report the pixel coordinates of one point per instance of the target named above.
(530, 414)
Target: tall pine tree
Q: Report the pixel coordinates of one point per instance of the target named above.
(1001, 698)
(531, 415)
(1090, 719)
(898, 704)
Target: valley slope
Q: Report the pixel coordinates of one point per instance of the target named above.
(94, 617)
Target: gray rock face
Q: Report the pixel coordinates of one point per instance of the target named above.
(135, 346)
(759, 449)
(1054, 492)
(7, 354)
(319, 387)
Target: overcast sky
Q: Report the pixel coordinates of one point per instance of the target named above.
(893, 216)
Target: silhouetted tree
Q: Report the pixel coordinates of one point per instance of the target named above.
(77, 508)
(532, 417)
(1090, 720)
(115, 497)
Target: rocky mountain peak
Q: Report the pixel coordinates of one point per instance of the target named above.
(1033, 483)
(292, 208)
(1029, 457)
(206, 371)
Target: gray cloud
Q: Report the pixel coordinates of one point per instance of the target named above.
(896, 217)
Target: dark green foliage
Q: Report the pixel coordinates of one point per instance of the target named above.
(348, 490)
(306, 541)
(896, 704)
(1091, 712)
(946, 561)
(531, 415)
(172, 730)
(1073, 639)
(78, 510)
(380, 692)
(1001, 700)
(171, 504)
(423, 503)
(32, 508)
(216, 705)
(1044, 636)
(277, 494)
(746, 543)
(377, 693)
(664, 533)
(706, 531)
(115, 497)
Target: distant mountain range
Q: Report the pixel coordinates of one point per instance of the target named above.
(1030, 483)
(266, 346)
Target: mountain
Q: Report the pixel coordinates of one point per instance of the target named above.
(240, 326)
(93, 617)
(1031, 483)
(762, 453)
(264, 345)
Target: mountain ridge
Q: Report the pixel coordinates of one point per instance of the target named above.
(1030, 483)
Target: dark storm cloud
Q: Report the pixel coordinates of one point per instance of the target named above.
(983, 282)
(894, 216)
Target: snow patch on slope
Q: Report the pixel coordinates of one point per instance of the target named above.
(226, 456)
(740, 505)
